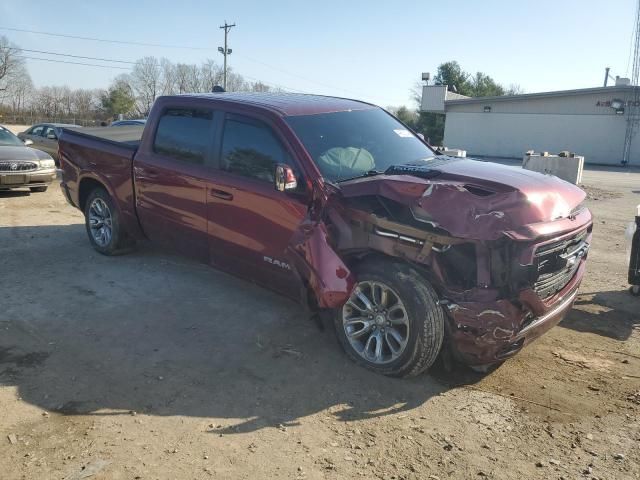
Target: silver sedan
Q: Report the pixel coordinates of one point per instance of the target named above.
(23, 167)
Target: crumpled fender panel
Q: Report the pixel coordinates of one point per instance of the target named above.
(319, 266)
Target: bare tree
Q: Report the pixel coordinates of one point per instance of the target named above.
(10, 62)
(168, 76)
(84, 103)
(259, 87)
(210, 75)
(235, 82)
(19, 91)
(514, 89)
(146, 81)
(181, 77)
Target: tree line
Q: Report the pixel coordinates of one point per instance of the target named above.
(130, 94)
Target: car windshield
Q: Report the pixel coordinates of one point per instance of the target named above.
(9, 139)
(354, 143)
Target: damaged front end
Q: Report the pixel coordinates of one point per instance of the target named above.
(504, 249)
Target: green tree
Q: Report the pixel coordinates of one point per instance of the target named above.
(452, 74)
(431, 125)
(406, 116)
(483, 85)
(119, 99)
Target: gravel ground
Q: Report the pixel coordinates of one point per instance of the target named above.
(150, 366)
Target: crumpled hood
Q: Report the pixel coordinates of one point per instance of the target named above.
(475, 199)
(17, 152)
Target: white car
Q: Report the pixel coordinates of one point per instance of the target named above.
(23, 167)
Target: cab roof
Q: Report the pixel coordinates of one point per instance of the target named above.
(288, 104)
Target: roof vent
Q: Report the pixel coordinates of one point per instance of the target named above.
(622, 82)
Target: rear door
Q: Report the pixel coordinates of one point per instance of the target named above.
(49, 141)
(250, 222)
(170, 173)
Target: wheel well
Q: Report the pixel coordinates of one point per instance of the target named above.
(354, 258)
(87, 185)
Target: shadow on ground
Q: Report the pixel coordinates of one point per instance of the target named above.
(613, 314)
(86, 334)
(14, 193)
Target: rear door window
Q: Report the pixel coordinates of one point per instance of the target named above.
(251, 149)
(48, 131)
(37, 130)
(184, 134)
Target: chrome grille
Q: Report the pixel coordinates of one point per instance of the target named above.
(13, 167)
(558, 262)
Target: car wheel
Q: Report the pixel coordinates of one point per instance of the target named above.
(103, 224)
(38, 189)
(392, 323)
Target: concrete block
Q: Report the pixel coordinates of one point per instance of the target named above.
(566, 168)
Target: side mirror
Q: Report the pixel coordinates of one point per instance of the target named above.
(28, 142)
(52, 136)
(285, 179)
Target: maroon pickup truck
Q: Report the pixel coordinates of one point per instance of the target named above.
(337, 204)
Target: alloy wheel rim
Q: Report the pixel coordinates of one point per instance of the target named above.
(100, 222)
(376, 322)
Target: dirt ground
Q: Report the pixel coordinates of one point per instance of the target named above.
(149, 366)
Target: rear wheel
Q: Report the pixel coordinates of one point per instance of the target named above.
(38, 189)
(103, 225)
(392, 323)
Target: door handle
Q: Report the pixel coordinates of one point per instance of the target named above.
(221, 194)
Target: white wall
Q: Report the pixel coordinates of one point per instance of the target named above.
(598, 137)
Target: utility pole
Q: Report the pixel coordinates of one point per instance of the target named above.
(632, 102)
(226, 51)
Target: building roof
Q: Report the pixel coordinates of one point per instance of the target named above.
(289, 104)
(528, 96)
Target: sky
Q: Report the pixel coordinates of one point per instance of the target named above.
(371, 50)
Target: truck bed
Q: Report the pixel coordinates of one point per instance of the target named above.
(104, 155)
(127, 136)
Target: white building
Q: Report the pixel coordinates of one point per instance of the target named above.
(590, 122)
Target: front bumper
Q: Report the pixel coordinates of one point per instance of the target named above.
(36, 178)
(483, 333)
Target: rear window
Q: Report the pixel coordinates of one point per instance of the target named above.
(184, 134)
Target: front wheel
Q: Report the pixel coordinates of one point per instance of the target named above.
(392, 323)
(103, 225)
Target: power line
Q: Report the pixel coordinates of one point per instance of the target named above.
(277, 69)
(187, 47)
(283, 87)
(72, 63)
(75, 56)
(126, 42)
(93, 39)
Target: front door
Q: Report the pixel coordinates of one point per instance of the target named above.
(250, 222)
(170, 180)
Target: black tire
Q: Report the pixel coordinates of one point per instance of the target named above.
(38, 189)
(119, 242)
(425, 319)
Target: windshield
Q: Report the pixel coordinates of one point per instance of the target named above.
(353, 143)
(8, 138)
